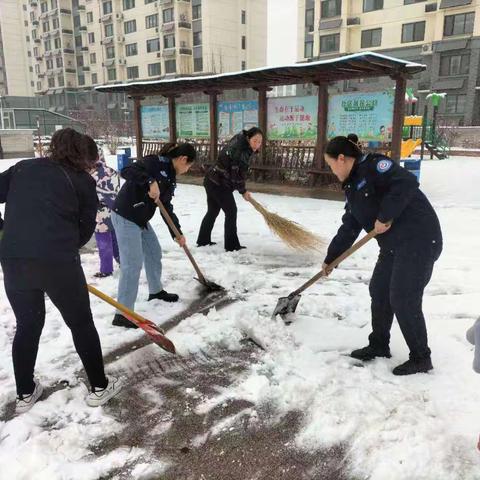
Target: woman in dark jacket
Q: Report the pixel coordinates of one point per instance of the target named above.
(51, 205)
(228, 175)
(384, 197)
(148, 180)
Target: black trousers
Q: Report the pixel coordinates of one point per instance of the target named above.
(396, 288)
(26, 283)
(219, 198)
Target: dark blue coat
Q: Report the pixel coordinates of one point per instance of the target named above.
(133, 202)
(380, 189)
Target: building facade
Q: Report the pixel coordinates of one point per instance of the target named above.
(442, 34)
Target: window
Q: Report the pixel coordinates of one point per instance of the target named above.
(78, 41)
(131, 49)
(51, 82)
(168, 15)
(308, 50)
(408, 2)
(30, 69)
(244, 42)
(61, 81)
(151, 21)
(44, 7)
(57, 43)
(36, 52)
(413, 32)
(76, 21)
(34, 34)
(331, 8)
(107, 7)
(55, 23)
(153, 45)
(93, 58)
(170, 66)
(37, 68)
(80, 61)
(50, 64)
(198, 64)
(110, 52)
(310, 20)
(59, 62)
(89, 17)
(81, 80)
(47, 45)
(130, 26)
(29, 53)
(330, 43)
(169, 41)
(91, 37)
(46, 26)
(461, 24)
(27, 38)
(454, 65)
(197, 38)
(455, 103)
(132, 72)
(94, 78)
(109, 30)
(128, 4)
(196, 12)
(111, 74)
(54, 4)
(154, 69)
(32, 16)
(244, 17)
(370, 5)
(149, 1)
(371, 38)
(244, 65)
(39, 85)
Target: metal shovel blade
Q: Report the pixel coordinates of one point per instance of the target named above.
(286, 305)
(209, 285)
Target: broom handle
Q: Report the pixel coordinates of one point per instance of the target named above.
(335, 263)
(117, 305)
(169, 220)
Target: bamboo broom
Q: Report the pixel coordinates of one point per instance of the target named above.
(291, 233)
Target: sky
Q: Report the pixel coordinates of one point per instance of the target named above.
(282, 32)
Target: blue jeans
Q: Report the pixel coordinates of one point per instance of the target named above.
(137, 246)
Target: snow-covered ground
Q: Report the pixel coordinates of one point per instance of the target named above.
(419, 427)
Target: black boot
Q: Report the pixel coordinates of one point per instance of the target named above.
(369, 353)
(235, 249)
(209, 244)
(412, 366)
(163, 295)
(120, 321)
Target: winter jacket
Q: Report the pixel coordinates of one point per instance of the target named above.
(133, 202)
(378, 188)
(108, 185)
(50, 210)
(232, 164)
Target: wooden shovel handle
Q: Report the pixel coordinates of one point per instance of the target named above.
(177, 234)
(335, 263)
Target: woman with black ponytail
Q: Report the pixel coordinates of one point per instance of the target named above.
(147, 181)
(228, 175)
(383, 196)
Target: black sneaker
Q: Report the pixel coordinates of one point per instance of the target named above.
(103, 275)
(163, 295)
(410, 367)
(236, 249)
(120, 321)
(369, 353)
(209, 244)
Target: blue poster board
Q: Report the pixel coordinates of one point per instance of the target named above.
(155, 123)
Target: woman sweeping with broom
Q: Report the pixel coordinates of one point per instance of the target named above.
(228, 175)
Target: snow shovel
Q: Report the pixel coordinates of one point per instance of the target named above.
(286, 305)
(209, 285)
(156, 334)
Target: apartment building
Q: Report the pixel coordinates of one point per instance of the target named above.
(16, 71)
(442, 34)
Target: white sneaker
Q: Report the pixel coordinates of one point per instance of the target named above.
(23, 403)
(99, 396)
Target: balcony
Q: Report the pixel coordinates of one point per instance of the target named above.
(353, 21)
(165, 2)
(431, 7)
(66, 31)
(168, 27)
(70, 70)
(35, 22)
(65, 11)
(108, 40)
(185, 51)
(106, 18)
(170, 52)
(82, 28)
(33, 3)
(186, 25)
(37, 40)
(81, 7)
(69, 51)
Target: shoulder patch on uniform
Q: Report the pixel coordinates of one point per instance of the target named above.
(384, 165)
(361, 184)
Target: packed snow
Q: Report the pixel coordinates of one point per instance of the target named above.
(419, 427)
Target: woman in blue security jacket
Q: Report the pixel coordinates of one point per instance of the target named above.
(148, 180)
(383, 196)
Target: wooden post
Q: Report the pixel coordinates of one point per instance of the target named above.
(322, 118)
(262, 118)
(172, 118)
(137, 101)
(213, 126)
(398, 117)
